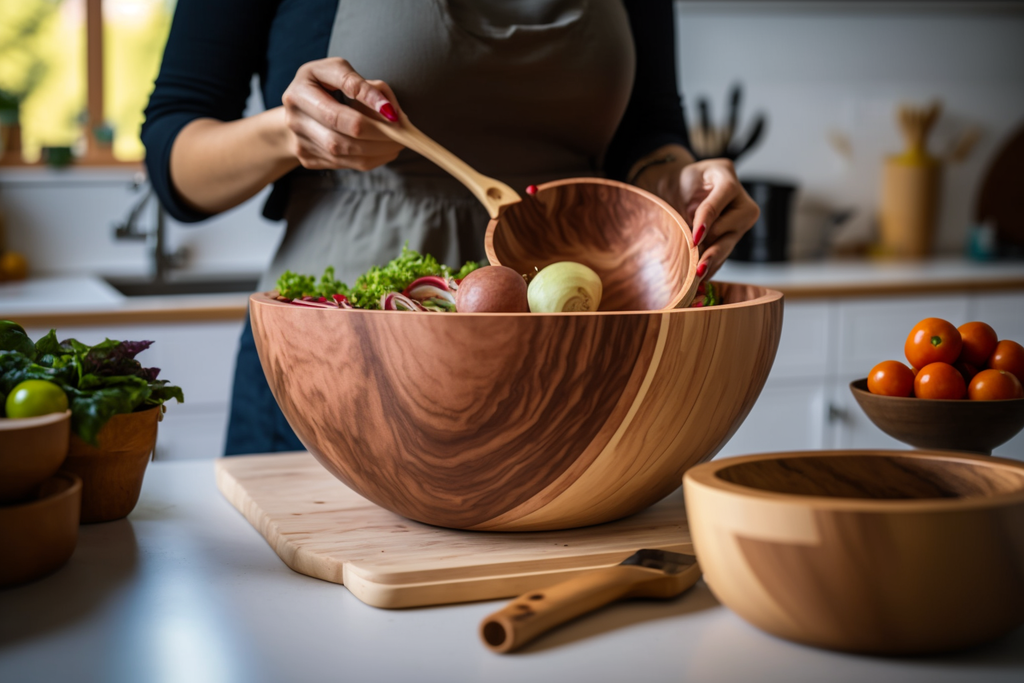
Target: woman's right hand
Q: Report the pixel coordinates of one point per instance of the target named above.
(327, 134)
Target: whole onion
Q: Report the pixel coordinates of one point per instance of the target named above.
(492, 289)
(565, 286)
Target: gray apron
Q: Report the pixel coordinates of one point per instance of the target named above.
(523, 90)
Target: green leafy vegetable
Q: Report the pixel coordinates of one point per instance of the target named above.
(374, 283)
(100, 381)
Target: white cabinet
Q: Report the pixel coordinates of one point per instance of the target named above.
(197, 356)
(788, 416)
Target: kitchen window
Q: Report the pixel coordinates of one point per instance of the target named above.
(79, 73)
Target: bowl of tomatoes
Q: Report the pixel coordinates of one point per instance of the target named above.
(963, 389)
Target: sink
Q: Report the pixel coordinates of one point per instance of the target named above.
(184, 285)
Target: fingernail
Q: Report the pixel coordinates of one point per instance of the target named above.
(698, 234)
(701, 269)
(531, 190)
(388, 112)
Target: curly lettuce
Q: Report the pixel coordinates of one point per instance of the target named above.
(374, 283)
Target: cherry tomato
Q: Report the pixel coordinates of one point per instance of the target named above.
(939, 380)
(1009, 356)
(979, 341)
(891, 378)
(36, 397)
(966, 369)
(932, 340)
(994, 385)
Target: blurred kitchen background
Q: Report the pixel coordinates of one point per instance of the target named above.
(826, 80)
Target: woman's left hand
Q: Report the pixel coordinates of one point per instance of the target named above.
(711, 199)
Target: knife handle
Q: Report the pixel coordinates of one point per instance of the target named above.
(537, 612)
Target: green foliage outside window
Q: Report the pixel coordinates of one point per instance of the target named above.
(43, 65)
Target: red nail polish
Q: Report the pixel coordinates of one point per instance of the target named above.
(701, 269)
(698, 234)
(531, 190)
(388, 112)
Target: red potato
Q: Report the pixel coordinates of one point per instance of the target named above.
(492, 289)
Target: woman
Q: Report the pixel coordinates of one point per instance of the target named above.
(525, 92)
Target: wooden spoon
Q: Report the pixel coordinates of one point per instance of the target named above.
(493, 194)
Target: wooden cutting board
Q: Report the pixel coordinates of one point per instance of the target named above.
(321, 528)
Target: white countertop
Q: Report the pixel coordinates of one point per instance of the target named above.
(87, 294)
(186, 590)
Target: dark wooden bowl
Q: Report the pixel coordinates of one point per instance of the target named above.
(883, 552)
(640, 246)
(975, 426)
(517, 421)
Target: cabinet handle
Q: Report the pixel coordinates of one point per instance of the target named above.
(836, 414)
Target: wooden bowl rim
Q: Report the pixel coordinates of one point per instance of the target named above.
(74, 485)
(907, 400)
(706, 476)
(10, 424)
(767, 296)
(689, 285)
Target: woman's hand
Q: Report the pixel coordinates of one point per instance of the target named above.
(327, 134)
(709, 196)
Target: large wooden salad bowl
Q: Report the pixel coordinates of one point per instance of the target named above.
(517, 422)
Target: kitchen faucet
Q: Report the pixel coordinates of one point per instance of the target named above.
(156, 238)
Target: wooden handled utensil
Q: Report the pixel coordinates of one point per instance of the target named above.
(644, 574)
(493, 194)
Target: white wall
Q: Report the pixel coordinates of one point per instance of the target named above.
(843, 66)
(812, 66)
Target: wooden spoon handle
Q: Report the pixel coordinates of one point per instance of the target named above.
(493, 194)
(537, 612)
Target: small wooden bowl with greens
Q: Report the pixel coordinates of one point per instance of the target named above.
(114, 404)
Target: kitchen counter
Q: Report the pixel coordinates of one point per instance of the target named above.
(852, 278)
(83, 300)
(186, 590)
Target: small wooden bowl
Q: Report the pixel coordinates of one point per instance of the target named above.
(640, 246)
(31, 451)
(517, 421)
(975, 426)
(112, 472)
(883, 552)
(39, 536)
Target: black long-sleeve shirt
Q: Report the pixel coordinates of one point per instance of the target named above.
(215, 47)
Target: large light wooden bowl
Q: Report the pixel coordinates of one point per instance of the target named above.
(639, 245)
(517, 421)
(884, 552)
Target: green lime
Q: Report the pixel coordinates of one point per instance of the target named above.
(36, 397)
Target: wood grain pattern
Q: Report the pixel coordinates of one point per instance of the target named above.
(321, 528)
(886, 552)
(112, 471)
(639, 245)
(976, 426)
(518, 422)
